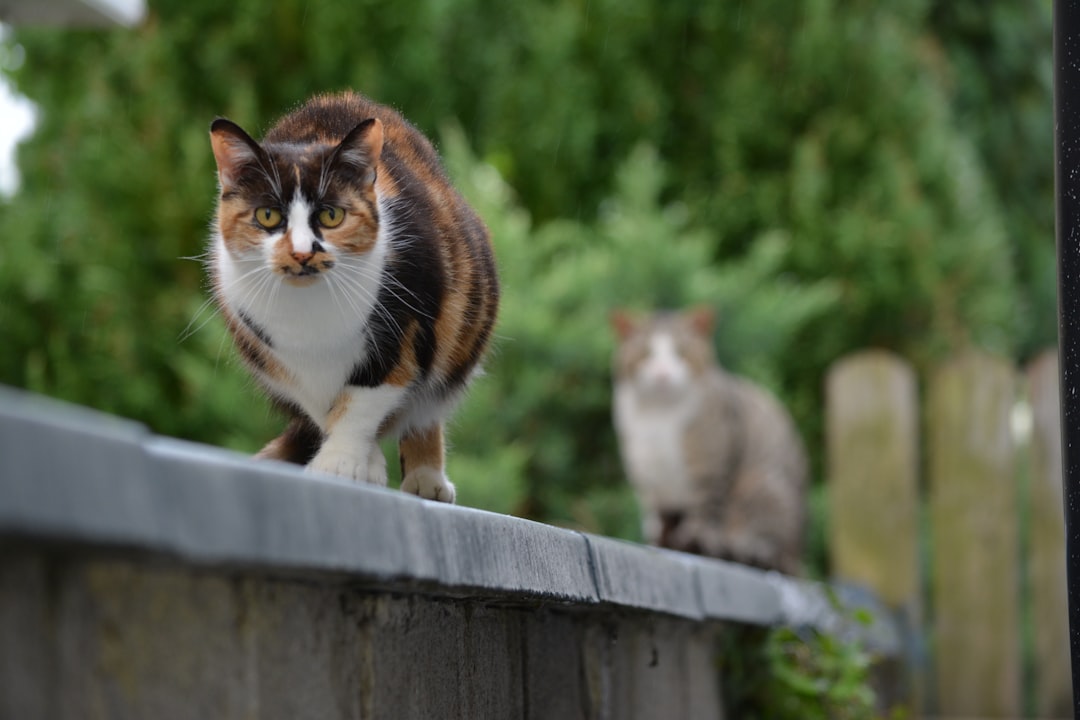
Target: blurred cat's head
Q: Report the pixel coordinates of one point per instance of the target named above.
(660, 355)
(300, 209)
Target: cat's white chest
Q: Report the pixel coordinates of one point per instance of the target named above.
(318, 372)
(651, 443)
(316, 333)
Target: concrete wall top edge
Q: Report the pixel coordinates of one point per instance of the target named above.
(73, 475)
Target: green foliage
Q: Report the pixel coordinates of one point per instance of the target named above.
(1000, 77)
(546, 399)
(783, 674)
(828, 175)
(818, 676)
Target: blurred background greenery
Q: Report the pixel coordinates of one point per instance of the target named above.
(828, 174)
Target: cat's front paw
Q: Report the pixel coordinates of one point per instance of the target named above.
(427, 482)
(369, 467)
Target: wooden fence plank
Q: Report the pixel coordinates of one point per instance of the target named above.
(871, 428)
(871, 411)
(974, 538)
(1046, 567)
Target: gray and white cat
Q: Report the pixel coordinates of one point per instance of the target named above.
(716, 462)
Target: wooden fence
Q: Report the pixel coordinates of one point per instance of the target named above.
(951, 510)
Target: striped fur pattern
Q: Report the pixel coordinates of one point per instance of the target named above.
(358, 286)
(716, 462)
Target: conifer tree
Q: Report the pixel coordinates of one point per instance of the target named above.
(831, 174)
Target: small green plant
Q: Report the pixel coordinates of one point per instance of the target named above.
(817, 675)
(782, 673)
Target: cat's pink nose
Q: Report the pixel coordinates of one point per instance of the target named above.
(302, 257)
(662, 376)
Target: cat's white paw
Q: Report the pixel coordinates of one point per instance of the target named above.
(368, 467)
(652, 527)
(377, 468)
(427, 482)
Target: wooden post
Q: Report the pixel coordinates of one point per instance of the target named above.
(1049, 597)
(871, 410)
(871, 426)
(973, 515)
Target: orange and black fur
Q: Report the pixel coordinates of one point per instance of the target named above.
(357, 284)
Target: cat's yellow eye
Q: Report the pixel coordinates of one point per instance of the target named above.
(268, 217)
(331, 217)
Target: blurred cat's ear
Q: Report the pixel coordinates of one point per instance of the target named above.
(702, 319)
(233, 150)
(623, 323)
(362, 148)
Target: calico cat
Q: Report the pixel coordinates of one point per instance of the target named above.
(715, 461)
(358, 286)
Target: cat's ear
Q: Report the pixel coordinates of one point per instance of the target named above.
(623, 323)
(233, 150)
(361, 149)
(702, 319)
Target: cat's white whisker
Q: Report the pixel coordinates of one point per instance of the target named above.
(338, 285)
(335, 291)
(221, 349)
(190, 329)
(366, 274)
(188, 332)
(416, 297)
(324, 176)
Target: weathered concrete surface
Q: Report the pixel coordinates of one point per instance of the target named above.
(92, 637)
(144, 577)
(72, 475)
(656, 668)
(738, 593)
(645, 578)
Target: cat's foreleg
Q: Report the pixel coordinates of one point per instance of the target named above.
(297, 444)
(652, 527)
(351, 447)
(422, 459)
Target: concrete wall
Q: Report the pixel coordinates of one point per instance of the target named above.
(144, 577)
(106, 638)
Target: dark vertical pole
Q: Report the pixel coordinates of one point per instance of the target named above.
(1067, 188)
